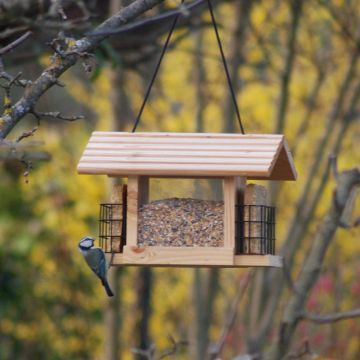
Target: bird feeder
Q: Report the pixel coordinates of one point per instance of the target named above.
(248, 223)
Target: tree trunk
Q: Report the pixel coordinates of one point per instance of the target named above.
(205, 290)
(296, 10)
(310, 271)
(307, 204)
(236, 58)
(143, 309)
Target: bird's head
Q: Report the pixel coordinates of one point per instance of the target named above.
(86, 243)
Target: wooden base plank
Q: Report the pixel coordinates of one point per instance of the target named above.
(258, 261)
(237, 261)
(151, 255)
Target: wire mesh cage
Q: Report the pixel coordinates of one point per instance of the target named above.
(112, 227)
(255, 229)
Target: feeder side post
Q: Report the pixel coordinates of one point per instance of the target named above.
(116, 217)
(132, 210)
(233, 194)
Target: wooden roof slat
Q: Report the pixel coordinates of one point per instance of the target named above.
(193, 147)
(188, 154)
(179, 153)
(184, 141)
(179, 160)
(173, 169)
(184, 135)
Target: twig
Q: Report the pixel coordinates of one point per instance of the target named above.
(9, 32)
(333, 165)
(147, 354)
(174, 349)
(288, 278)
(56, 115)
(341, 23)
(49, 76)
(216, 350)
(15, 43)
(150, 353)
(306, 351)
(330, 318)
(311, 267)
(7, 144)
(25, 156)
(26, 134)
(183, 10)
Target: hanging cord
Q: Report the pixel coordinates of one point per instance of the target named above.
(225, 66)
(233, 96)
(156, 69)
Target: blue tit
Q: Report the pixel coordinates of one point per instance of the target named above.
(95, 258)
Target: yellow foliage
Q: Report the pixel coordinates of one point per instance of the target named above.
(65, 205)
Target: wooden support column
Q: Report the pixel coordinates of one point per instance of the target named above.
(132, 211)
(233, 194)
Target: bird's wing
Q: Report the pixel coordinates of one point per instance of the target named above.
(95, 258)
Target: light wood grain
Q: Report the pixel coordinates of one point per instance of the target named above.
(188, 154)
(187, 168)
(132, 210)
(229, 212)
(180, 153)
(175, 170)
(166, 160)
(178, 255)
(182, 135)
(193, 147)
(258, 260)
(185, 141)
(238, 261)
(233, 194)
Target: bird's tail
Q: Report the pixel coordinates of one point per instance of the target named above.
(107, 287)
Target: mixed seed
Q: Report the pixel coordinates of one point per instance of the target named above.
(181, 222)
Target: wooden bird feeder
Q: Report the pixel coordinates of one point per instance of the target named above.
(248, 236)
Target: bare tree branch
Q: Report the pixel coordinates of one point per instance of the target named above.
(311, 105)
(15, 43)
(167, 16)
(216, 349)
(49, 76)
(296, 12)
(346, 181)
(236, 58)
(342, 23)
(56, 115)
(300, 354)
(308, 200)
(286, 75)
(330, 318)
(27, 134)
(174, 349)
(150, 353)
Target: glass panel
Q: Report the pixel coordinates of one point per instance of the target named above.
(182, 212)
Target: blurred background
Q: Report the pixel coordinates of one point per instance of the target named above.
(295, 69)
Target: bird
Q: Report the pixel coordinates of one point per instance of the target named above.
(95, 258)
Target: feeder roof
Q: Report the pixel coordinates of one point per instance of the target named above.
(264, 157)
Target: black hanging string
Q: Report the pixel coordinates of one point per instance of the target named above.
(225, 66)
(233, 96)
(156, 70)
